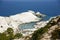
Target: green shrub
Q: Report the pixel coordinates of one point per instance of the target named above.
(18, 35)
(3, 36)
(8, 35)
(10, 30)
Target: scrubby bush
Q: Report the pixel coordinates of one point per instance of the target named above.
(55, 34)
(18, 35)
(3, 36)
(9, 35)
(10, 30)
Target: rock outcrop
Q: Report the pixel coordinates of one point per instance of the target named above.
(14, 20)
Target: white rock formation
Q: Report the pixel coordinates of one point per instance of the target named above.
(27, 32)
(41, 24)
(25, 17)
(38, 14)
(14, 20)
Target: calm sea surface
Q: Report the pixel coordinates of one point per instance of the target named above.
(51, 8)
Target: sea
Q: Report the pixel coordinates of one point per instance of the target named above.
(49, 8)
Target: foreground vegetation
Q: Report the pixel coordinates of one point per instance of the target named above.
(55, 34)
(37, 35)
(9, 35)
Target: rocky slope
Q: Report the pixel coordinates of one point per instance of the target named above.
(50, 32)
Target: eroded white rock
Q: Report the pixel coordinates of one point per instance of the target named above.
(14, 20)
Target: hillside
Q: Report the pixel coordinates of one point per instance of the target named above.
(50, 32)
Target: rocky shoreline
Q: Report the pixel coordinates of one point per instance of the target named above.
(26, 17)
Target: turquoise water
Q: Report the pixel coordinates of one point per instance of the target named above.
(27, 25)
